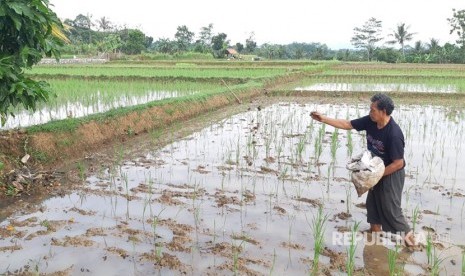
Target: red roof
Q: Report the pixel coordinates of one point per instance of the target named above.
(231, 51)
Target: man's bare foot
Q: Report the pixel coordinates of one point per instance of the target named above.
(409, 239)
(375, 228)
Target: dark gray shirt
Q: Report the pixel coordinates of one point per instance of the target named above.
(387, 143)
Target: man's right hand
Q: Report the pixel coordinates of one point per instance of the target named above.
(316, 116)
(337, 123)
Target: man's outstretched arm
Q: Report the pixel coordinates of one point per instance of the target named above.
(337, 123)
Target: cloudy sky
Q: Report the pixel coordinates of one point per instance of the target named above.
(281, 22)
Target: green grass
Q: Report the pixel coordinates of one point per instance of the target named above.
(40, 156)
(244, 63)
(144, 71)
(178, 56)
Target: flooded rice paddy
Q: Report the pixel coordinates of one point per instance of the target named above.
(241, 196)
(380, 87)
(25, 118)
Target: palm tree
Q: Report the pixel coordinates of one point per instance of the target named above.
(401, 35)
(104, 24)
(433, 49)
(433, 45)
(418, 47)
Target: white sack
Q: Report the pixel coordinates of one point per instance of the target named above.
(366, 171)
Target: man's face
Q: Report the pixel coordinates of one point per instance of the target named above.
(376, 115)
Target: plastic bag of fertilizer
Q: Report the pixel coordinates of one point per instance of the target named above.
(367, 170)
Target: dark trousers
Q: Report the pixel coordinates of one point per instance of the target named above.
(383, 204)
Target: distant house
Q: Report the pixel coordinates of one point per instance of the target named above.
(232, 53)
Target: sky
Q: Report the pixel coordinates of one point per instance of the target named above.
(330, 22)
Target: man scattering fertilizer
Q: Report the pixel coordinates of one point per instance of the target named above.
(385, 140)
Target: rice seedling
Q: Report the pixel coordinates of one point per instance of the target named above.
(301, 147)
(279, 149)
(350, 146)
(268, 142)
(155, 220)
(238, 151)
(81, 170)
(392, 261)
(350, 265)
(120, 71)
(228, 157)
(36, 265)
(348, 197)
(309, 170)
(415, 214)
(318, 229)
(432, 162)
(236, 250)
(319, 143)
(250, 145)
(429, 248)
(146, 203)
(119, 152)
(291, 219)
(255, 151)
(273, 263)
(334, 144)
(298, 191)
(284, 173)
(436, 261)
(197, 215)
(407, 196)
(46, 224)
(214, 232)
(393, 73)
(158, 251)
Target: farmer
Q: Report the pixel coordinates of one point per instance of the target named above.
(386, 140)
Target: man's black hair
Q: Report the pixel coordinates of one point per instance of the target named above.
(383, 102)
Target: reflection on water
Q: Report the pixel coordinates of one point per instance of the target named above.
(380, 87)
(26, 118)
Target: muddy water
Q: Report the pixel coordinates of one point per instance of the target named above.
(380, 87)
(24, 118)
(240, 196)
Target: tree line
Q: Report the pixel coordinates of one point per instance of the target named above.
(91, 37)
(101, 36)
